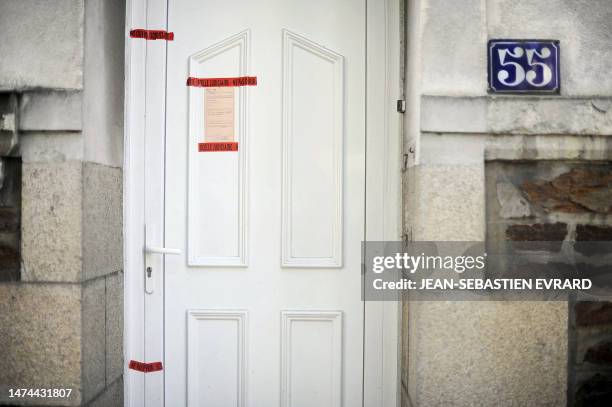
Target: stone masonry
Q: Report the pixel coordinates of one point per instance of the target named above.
(457, 136)
(564, 210)
(61, 307)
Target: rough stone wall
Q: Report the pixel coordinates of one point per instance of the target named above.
(547, 201)
(474, 353)
(563, 208)
(61, 321)
(591, 356)
(493, 353)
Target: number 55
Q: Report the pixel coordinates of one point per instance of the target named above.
(519, 72)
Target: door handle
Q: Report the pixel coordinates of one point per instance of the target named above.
(161, 250)
(149, 282)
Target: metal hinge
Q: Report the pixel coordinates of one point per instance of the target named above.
(401, 106)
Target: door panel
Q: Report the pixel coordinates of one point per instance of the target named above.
(263, 307)
(313, 123)
(216, 338)
(217, 227)
(311, 361)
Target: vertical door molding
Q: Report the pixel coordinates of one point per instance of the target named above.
(312, 175)
(217, 202)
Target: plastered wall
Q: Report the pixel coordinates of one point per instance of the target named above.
(42, 44)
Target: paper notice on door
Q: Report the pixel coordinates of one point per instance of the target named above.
(219, 114)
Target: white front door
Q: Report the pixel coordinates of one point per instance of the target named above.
(262, 307)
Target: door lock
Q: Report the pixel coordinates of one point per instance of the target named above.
(149, 284)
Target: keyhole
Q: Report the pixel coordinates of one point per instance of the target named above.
(149, 271)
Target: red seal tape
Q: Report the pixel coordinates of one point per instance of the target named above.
(145, 367)
(217, 146)
(222, 82)
(152, 34)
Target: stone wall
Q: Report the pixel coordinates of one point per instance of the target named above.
(591, 356)
(560, 203)
(61, 314)
(562, 208)
(485, 353)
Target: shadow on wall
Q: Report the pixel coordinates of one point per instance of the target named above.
(10, 219)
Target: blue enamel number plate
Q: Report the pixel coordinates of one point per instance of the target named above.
(523, 66)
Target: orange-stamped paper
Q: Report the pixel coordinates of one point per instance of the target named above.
(219, 120)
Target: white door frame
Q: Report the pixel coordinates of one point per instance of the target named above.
(144, 93)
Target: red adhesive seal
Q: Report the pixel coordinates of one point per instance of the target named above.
(145, 367)
(217, 146)
(152, 34)
(222, 82)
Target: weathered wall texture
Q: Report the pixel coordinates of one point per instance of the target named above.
(492, 353)
(42, 44)
(103, 73)
(591, 356)
(61, 318)
(564, 209)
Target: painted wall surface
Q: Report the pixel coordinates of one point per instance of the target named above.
(454, 35)
(42, 44)
(103, 80)
(492, 353)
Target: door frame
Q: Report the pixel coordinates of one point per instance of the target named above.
(383, 190)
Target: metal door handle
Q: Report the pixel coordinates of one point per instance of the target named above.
(161, 250)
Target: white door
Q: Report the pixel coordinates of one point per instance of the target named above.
(262, 307)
